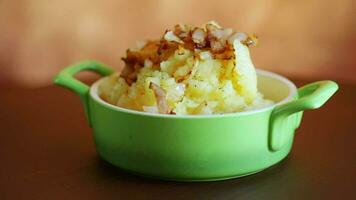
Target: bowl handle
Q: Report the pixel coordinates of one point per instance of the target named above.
(311, 96)
(65, 78)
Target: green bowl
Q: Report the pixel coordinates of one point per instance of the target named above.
(197, 147)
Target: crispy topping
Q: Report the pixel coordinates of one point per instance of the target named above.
(160, 94)
(171, 37)
(251, 40)
(199, 37)
(210, 38)
(237, 36)
(182, 31)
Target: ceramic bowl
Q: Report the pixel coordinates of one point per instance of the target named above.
(197, 147)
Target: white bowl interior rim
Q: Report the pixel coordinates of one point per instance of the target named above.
(292, 92)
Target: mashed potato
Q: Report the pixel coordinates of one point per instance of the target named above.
(190, 71)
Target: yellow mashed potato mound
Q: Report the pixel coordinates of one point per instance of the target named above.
(194, 82)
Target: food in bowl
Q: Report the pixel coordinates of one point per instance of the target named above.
(188, 147)
(189, 71)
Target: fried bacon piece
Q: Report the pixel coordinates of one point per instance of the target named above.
(165, 50)
(181, 30)
(160, 95)
(135, 60)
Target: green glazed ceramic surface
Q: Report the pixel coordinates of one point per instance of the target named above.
(197, 148)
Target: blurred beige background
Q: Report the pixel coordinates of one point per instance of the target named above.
(312, 39)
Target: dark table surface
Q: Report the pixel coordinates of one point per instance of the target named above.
(47, 152)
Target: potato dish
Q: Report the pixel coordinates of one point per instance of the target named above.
(189, 71)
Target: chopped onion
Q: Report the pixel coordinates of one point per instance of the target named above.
(160, 94)
(222, 33)
(212, 25)
(171, 37)
(237, 36)
(216, 46)
(199, 36)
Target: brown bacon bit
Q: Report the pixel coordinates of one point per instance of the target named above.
(165, 50)
(134, 61)
(182, 31)
(160, 95)
(126, 71)
(188, 42)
